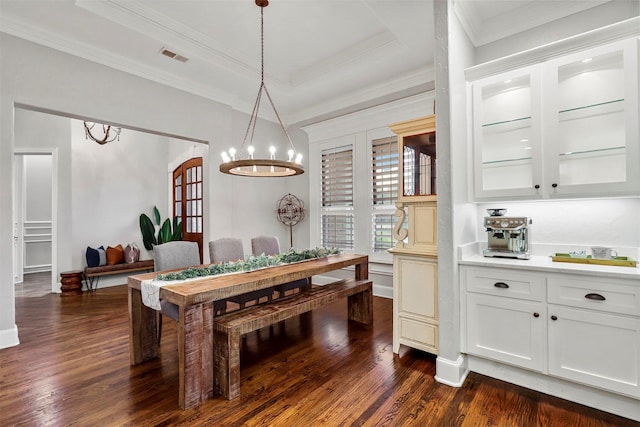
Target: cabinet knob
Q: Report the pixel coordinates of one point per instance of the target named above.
(501, 285)
(554, 317)
(554, 185)
(595, 297)
(536, 314)
(537, 186)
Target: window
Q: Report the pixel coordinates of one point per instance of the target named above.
(337, 228)
(384, 178)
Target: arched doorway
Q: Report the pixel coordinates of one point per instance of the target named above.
(187, 199)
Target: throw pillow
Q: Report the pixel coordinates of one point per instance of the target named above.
(115, 255)
(95, 256)
(131, 253)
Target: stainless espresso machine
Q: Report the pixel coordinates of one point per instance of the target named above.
(506, 236)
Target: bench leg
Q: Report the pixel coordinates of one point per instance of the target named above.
(360, 307)
(227, 363)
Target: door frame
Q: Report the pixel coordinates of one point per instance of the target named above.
(53, 152)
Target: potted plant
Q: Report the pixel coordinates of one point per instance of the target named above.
(165, 232)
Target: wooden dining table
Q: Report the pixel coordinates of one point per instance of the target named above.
(195, 300)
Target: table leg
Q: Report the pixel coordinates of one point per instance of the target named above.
(143, 343)
(195, 354)
(360, 307)
(362, 271)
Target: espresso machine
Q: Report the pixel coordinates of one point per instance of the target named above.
(507, 237)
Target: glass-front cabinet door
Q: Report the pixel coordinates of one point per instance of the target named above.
(592, 116)
(418, 166)
(566, 127)
(507, 134)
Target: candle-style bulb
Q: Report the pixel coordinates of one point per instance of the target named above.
(291, 153)
(250, 150)
(272, 150)
(232, 153)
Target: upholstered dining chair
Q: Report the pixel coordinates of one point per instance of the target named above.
(171, 256)
(270, 245)
(228, 249)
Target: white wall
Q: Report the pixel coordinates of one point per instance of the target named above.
(254, 204)
(578, 224)
(112, 185)
(49, 80)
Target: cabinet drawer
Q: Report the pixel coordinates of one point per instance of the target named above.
(506, 283)
(616, 296)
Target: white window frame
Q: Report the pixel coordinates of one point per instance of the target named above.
(357, 129)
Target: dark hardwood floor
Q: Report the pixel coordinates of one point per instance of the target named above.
(72, 369)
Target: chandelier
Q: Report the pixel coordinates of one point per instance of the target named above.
(109, 133)
(242, 162)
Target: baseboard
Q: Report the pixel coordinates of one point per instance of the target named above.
(589, 396)
(451, 372)
(9, 337)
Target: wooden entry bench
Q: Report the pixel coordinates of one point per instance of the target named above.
(229, 328)
(92, 274)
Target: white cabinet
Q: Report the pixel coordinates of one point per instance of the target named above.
(506, 330)
(566, 127)
(594, 332)
(415, 302)
(576, 327)
(415, 253)
(505, 315)
(596, 349)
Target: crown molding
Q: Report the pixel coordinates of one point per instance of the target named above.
(619, 31)
(506, 24)
(414, 106)
(143, 19)
(398, 84)
(100, 56)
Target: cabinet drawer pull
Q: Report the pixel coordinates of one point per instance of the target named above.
(501, 285)
(554, 317)
(595, 297)
(536, 314)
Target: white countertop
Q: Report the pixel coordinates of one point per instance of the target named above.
(544, 263)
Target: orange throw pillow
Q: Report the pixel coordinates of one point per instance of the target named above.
(115, 255)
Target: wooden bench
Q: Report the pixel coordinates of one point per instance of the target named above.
(92, 274)
(229, 328)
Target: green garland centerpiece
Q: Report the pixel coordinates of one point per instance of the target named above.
(249, 264)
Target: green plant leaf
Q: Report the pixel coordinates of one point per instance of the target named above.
(164, 234)
(177, 229)
(148, 232)
(156, 215)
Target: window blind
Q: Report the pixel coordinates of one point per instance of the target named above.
(385, 181)
(337, 219)
(337, 177)
(385, 171)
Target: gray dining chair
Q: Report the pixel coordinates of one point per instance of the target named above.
(172, 256)
(270, 245)
(228, 249)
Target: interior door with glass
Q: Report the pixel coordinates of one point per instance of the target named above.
(187, 200)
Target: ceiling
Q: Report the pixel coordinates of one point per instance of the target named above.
(322, 57)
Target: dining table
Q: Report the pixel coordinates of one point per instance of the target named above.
(195, 300)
